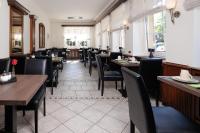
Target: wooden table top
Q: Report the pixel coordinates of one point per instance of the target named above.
(125, 63)
(22, 91)
(182, 86)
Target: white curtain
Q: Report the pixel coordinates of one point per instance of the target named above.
(105, 40)
(191, 4)
(98, 35)
(105, 26)
(119, 15)
(118, 40)
(142, 8)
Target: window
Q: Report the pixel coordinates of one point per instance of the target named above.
(118, 40)
(77, 36)
(155, 31)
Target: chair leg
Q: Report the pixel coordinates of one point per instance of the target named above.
(99, 84)
(157, 99)
(36, 121)
(90, 67)
(102, 89)
(116, 85)
(51, 87)
(24, 113)
(122, 85)
(157, 102)
(44, 102)
(132, 127)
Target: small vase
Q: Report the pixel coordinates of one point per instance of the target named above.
(13, 71)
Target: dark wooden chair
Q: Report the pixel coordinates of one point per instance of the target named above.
(4, 65)
(85, 56)
(107, 75)
(19, 68)
(113, 66)
(35, 66)
(51, 71)
(92, 62)
(149, 69)
(156, 119)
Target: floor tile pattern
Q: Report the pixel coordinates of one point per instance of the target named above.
(77, 107)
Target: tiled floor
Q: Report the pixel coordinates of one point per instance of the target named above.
(77, 107)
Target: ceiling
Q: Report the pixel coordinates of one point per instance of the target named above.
(60, 10)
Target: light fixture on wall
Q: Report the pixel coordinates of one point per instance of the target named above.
(171, 5)
(125, 24)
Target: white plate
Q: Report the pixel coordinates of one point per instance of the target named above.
(192, 81)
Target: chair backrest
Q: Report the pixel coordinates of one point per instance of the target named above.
(35, 66)
(114, 55)
(149, 69)
(140, 110)
(4, 65)
(99, 66)
(19, 68)
(49, 66)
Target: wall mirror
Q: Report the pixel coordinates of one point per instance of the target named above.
(17, 12)
(16, 32)
(41, 35)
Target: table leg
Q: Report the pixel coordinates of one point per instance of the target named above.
(10, 119)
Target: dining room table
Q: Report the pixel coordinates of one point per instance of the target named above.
(18, 93)
(132, 65)
(126, 63)
(182, 95)
(186, 87)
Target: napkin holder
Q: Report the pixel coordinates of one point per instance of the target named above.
(9, 80)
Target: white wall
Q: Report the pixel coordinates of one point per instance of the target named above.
(26, 34)
(5, 24)
(4, 32)
(42, 18)
(57, 35)
(182, 38)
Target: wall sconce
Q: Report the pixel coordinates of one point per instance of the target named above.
(125, 24)
(171, 5)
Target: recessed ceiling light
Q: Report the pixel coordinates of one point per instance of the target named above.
(80, 17)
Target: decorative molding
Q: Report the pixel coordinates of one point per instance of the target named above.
(18, 6)
(191, 4)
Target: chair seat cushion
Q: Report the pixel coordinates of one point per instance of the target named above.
(112, 75)
(168, 120)
(35, 101)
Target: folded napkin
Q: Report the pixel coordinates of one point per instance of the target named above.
(197, 86)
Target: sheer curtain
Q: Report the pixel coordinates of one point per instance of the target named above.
(77, 36)
(118, 40)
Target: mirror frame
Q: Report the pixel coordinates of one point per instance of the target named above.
(41, 35)
(11, 27)
(17, 7)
